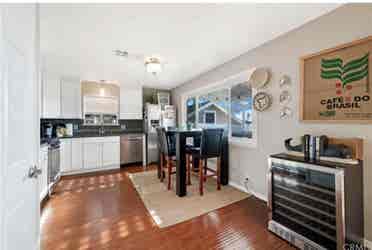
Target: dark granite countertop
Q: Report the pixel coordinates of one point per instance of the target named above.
(301, 159)
(106, 134)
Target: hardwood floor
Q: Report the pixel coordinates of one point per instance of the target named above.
(104, 211)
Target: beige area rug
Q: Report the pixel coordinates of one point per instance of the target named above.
(167, 209)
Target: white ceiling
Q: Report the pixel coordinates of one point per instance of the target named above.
(78, 39)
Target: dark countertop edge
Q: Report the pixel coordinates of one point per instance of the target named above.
(101, 135)
(329, 164)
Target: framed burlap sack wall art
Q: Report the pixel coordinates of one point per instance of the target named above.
(336, 84)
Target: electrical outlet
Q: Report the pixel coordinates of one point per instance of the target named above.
(247, 184)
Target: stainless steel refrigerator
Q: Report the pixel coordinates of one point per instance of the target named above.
(156, 116)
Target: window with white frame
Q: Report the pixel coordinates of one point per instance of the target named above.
(210, 117)
(241, 111)
(227, 106)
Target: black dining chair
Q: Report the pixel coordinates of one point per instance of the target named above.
(191, 149)
(168, 149)
(161, 151)
(210, 147)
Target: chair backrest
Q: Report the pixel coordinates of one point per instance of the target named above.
(160, 140)
(211, 142)
(168, 143)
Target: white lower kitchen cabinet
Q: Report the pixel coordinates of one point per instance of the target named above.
(43, 178)
(76, 154)
(71, 151)
(110, 154)
(65, 155)
(92, 154)
(101, 152)
(82, 155)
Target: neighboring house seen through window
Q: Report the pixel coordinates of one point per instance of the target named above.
(214, 103)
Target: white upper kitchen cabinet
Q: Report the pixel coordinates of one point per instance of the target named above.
(61, 96)
(70, 98)
(130, 102)
(51, 93)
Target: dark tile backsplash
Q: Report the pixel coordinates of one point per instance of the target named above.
(61, 121)
(132, 124)
(79, 128)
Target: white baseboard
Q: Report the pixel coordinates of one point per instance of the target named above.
(260, 196)
(37, 247)
(243, 189)
(237, 186)
(368, 244)
(43, 194)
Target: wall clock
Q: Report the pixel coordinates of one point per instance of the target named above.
(262, 101)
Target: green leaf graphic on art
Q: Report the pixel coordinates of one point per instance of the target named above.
(347, 73)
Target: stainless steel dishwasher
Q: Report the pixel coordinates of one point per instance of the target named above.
(131, 150)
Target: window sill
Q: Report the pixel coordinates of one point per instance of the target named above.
(238, 142)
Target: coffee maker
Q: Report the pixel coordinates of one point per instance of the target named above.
(47, 131)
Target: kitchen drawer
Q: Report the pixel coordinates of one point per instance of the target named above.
(111, 139)
(102, 139)
(93, 140)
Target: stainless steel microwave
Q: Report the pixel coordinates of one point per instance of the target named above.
(97, 119)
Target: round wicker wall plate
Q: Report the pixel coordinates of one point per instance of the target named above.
(262, 101)
(259, 78)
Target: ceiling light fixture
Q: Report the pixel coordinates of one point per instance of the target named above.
(153, 65)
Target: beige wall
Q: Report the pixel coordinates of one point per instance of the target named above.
(281, 55)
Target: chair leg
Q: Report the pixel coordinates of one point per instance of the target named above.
(205, 170)
(201, 177)
(188, 169)
(192, 162)
(169, 164)
(161, 167)
(218, 173)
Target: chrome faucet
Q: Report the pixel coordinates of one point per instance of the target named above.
(101, 130)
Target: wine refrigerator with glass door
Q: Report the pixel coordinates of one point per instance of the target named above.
(315, 205)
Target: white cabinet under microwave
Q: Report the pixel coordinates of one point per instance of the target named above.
(101, 110)
(101, 105)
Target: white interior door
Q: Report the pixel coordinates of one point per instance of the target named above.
(19, 129)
